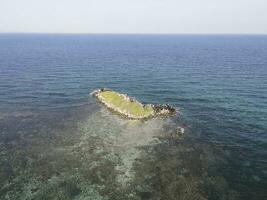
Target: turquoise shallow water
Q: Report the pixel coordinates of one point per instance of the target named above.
(57, 142)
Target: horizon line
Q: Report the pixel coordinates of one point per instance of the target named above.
(81, 33)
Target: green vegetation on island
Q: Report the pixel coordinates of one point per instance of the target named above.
(130, 107)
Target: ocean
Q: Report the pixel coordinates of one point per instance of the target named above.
(58, 142)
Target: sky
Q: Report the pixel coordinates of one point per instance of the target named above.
(134, 16)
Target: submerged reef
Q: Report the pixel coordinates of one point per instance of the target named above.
(130, 107)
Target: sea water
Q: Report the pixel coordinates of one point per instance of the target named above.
(58, 142)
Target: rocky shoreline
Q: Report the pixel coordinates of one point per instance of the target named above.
(155, 110)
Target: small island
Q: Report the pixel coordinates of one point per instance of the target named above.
(130, 107)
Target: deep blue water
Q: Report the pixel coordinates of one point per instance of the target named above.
(219, 83)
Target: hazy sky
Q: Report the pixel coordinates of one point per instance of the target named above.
(134, 16)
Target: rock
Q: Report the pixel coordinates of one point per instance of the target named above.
(180, 131)
(130, 107)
